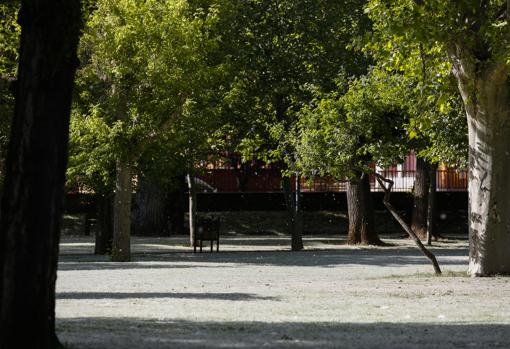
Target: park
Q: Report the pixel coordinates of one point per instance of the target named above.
(254, 173)
(256, 294)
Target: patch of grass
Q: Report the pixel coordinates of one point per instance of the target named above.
(455, 274)
(445, 274)
(408, 295)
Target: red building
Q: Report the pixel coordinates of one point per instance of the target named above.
(255, 176)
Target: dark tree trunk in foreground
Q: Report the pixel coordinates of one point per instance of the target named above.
(34, 184)
(432, 210)
(361, 213)
(121, 247)
(420, 199)
(104, 231)
(150, 216)
(485, 89)
(292, 203)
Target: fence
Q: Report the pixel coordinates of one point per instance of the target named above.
(269, 180)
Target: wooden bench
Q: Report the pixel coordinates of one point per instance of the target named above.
(207, 229)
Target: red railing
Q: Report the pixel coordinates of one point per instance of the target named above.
(269, 180)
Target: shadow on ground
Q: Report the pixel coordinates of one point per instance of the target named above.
(105, 333)
(313, 258)
(235, 296)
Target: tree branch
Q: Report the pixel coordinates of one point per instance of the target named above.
(387, 193)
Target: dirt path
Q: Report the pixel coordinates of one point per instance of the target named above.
(251, 295)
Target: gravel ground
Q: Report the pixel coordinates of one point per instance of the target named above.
(255, 293)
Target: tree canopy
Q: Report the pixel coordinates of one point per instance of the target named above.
(474, 35)
(146, 88)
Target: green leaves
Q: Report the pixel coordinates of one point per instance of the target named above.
(148, 69)
(282, 51)
(412, 40)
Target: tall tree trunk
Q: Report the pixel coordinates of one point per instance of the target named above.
(150, 215)
(485, 89)
(34, 185)
(361, 213)
(431, 210)
(420, 199)
(295, 225)
(294, 220)
(121, 247)
(192, 197)
(297, 237)
(104, 231)
(2, 168)
(177, 203)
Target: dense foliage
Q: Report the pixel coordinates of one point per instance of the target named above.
(281, 52)
(146, 89)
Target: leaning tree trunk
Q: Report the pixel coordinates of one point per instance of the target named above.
(292, 204)
(386, 201)
(420, 199)
(104, 231)
(361, 213)
(34, 184)
(192, 197)
(150, 216)
(485, 89)
(121, 247)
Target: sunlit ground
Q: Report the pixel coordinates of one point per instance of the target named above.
(255, 293)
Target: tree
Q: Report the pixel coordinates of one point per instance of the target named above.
(281, 51)
(436, 126)
(33, 190)
(343, 134)
(475, 36)
(148, 78)
(346, 133)
(91, 166)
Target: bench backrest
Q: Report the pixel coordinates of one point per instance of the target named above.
(207, 228)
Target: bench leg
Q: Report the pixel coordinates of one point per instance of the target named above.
(218, 245)
(201, 246)
(194, 246)
(212, 245)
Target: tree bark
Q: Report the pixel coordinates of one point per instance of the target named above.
(431, 203)
(2, 169)
(177, 205)
(33, 193)
(361, 213)
(420, 199)
(295, 225)
(104, 231)
(121, 247)
(485, 90)
(192, 197)
(150, 215)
